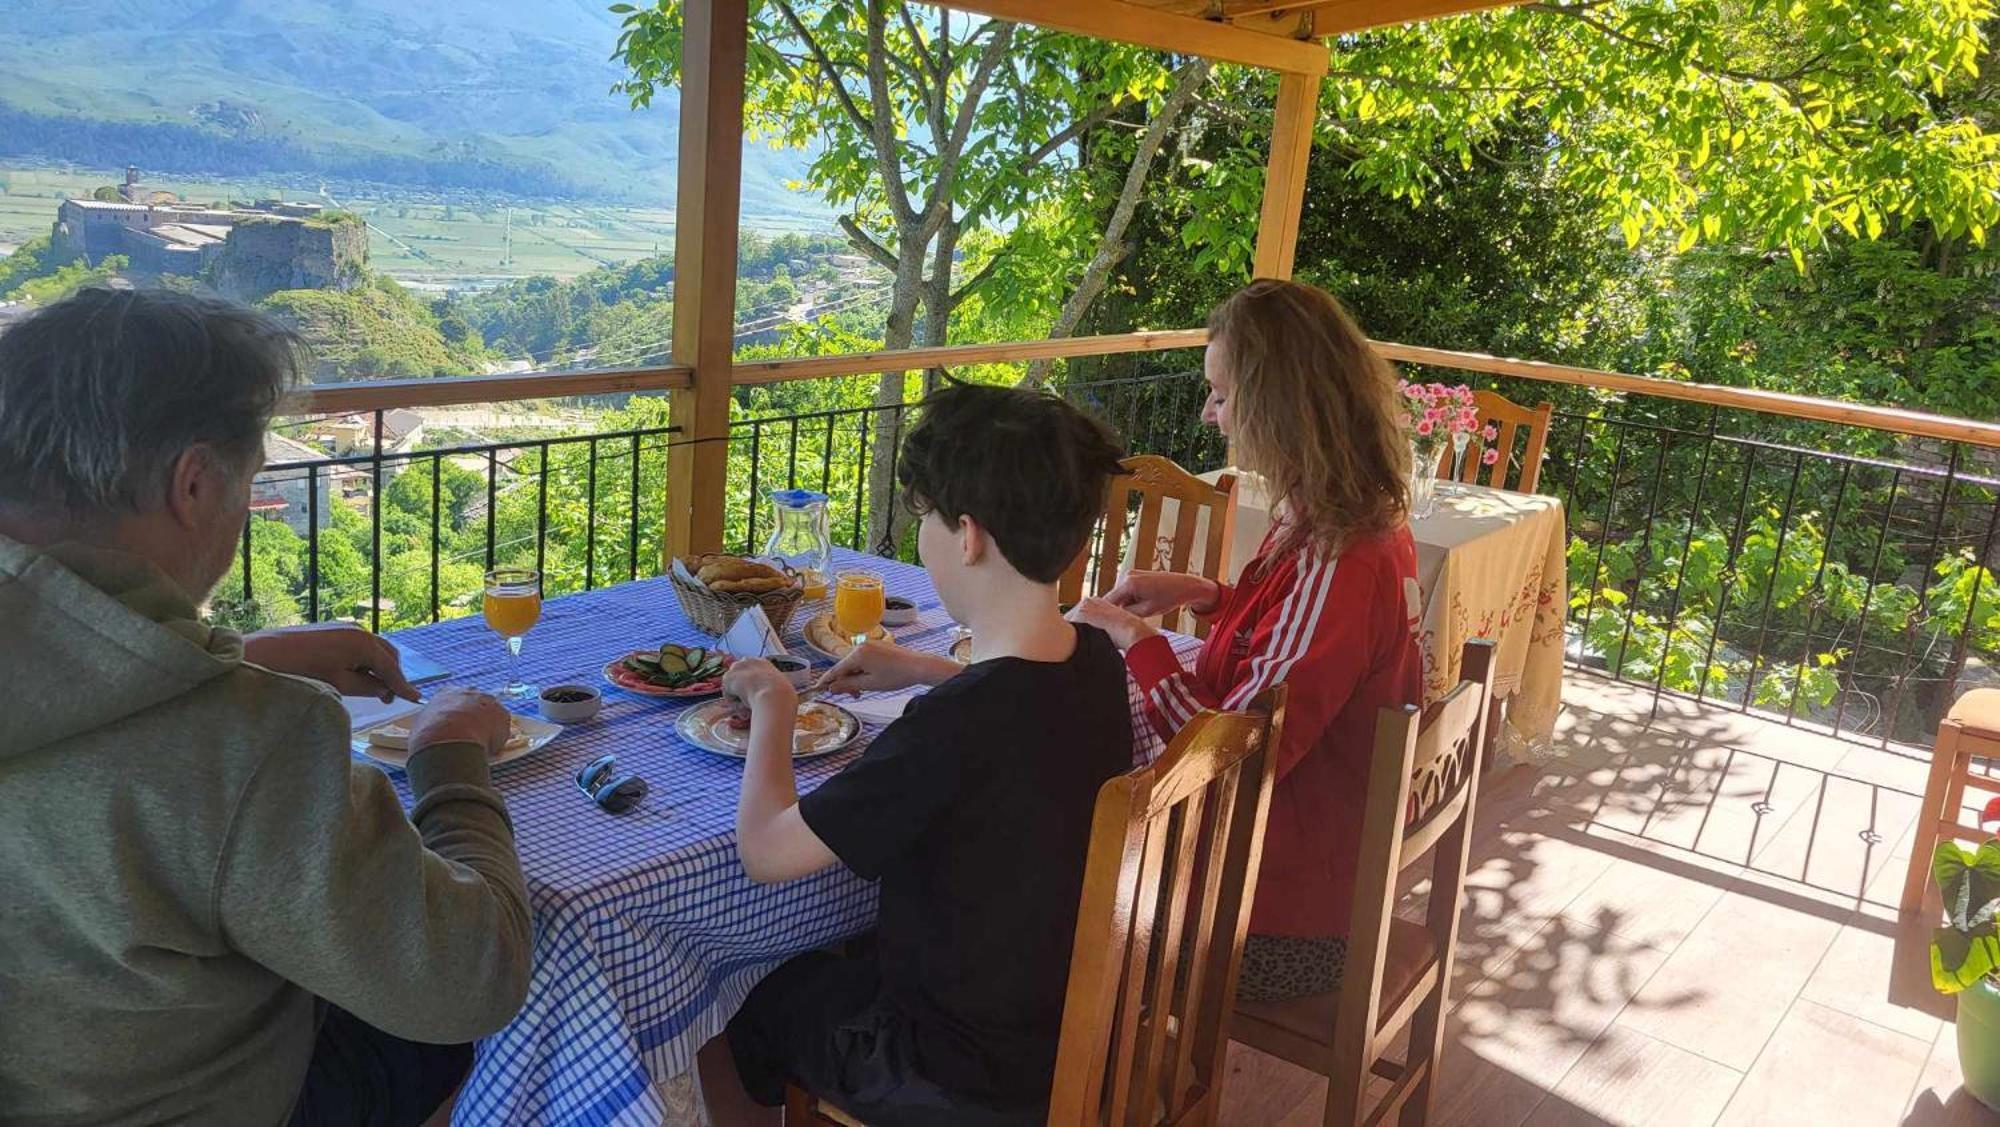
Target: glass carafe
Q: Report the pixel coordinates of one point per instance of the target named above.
(799, 536)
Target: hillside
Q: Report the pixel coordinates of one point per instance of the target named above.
(510, 95)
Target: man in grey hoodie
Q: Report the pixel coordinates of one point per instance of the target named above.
(208, 912)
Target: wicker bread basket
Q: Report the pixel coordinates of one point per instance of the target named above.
(714, 612)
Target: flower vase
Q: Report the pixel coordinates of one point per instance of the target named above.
(1459, 441)
(1425, 458)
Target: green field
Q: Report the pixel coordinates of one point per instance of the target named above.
(417, 237)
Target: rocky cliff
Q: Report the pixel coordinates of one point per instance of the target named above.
(265, 255)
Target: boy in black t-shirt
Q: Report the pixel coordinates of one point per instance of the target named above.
(973, 810)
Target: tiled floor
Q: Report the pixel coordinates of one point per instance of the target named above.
(1687, 918)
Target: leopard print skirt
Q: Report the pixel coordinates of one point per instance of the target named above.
(1276, 967)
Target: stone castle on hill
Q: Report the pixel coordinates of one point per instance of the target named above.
(243, 250)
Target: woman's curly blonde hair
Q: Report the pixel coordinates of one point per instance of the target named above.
(1315, 411)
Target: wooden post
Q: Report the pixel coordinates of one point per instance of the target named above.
(715, 36)
(1285, 175)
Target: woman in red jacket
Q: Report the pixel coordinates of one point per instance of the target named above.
(1328, 606)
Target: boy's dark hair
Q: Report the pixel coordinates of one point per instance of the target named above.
(1030, 468)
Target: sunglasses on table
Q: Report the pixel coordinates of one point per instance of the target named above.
(601, 783)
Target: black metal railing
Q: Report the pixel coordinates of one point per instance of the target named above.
(1830, 577)
(1834, 578)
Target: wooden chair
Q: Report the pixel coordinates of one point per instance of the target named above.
(1509, 417)
(1971, 730)
(1147, 483)
(1174, 850)
(1421, 796)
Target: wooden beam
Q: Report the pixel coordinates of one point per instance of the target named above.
(706, 212)
(1285, 174)
(1319, 19)
(386, 395)
(960, 355)
(1892, 419)
(1161, 30)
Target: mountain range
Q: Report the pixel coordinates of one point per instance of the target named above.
(507, 95)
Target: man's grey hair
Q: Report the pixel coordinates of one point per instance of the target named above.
(102, 392)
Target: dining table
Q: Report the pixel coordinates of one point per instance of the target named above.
(1491, 564)
(647, 932)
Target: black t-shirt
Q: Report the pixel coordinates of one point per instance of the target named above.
(974, 811)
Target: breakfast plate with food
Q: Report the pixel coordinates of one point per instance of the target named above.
(673, 670)
(824, 638)
(389, 742)
(822, 728)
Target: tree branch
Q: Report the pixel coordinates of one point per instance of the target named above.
(826, 67)
(951, 149)
(1044, 151)
(866, 243)
(1111, 246)
(917, 37)
(978, 279)
(1579, 13)
(884, 131)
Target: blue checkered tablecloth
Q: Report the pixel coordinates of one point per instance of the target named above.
(648, 936)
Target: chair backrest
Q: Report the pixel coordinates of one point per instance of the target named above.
(1516, 424)
(1174, 851)
(1148, 482)
(1422, 792)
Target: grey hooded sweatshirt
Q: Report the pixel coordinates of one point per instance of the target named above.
(189, 857)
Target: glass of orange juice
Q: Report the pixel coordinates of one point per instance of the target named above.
(857, 605)
(513, 604)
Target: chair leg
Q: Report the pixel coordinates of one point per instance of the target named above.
(1426, 1050)
(1944, 763)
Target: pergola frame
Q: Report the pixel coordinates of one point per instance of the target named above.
(1278, 35)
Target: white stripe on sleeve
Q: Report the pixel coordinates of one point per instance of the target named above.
(1297, 624)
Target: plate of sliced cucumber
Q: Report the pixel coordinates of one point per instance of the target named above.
(673, 670)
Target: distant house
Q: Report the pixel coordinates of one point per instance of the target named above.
(402, 432)
(282, 494)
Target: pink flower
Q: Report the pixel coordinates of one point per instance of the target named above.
(1424, 428)
(1490, 456)
(1491, 432)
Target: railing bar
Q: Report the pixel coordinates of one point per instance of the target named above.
(1771, 581)
(1687, 549)
(632, 537)
(861, 479)
(590, 522)
(792, 457)
(1728, 570)
(826, 461)
(1646, 548)
(1576, 466)
(1916, 628)
(897, 415)
(1819, 592)
(756, 471)
(469, 448)
(1914, 469)
(375, 533)
(542, 519)
(1964, 643)
(1868, 594)
(312, 545)
(1604, 537)
(492, 501)
(437, 473)
(247, 596)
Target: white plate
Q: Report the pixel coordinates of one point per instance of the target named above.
(881, 634)
(696, 726)
(539, 733)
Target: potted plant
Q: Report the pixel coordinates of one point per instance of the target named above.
(1437, 416)
(1965, 955)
